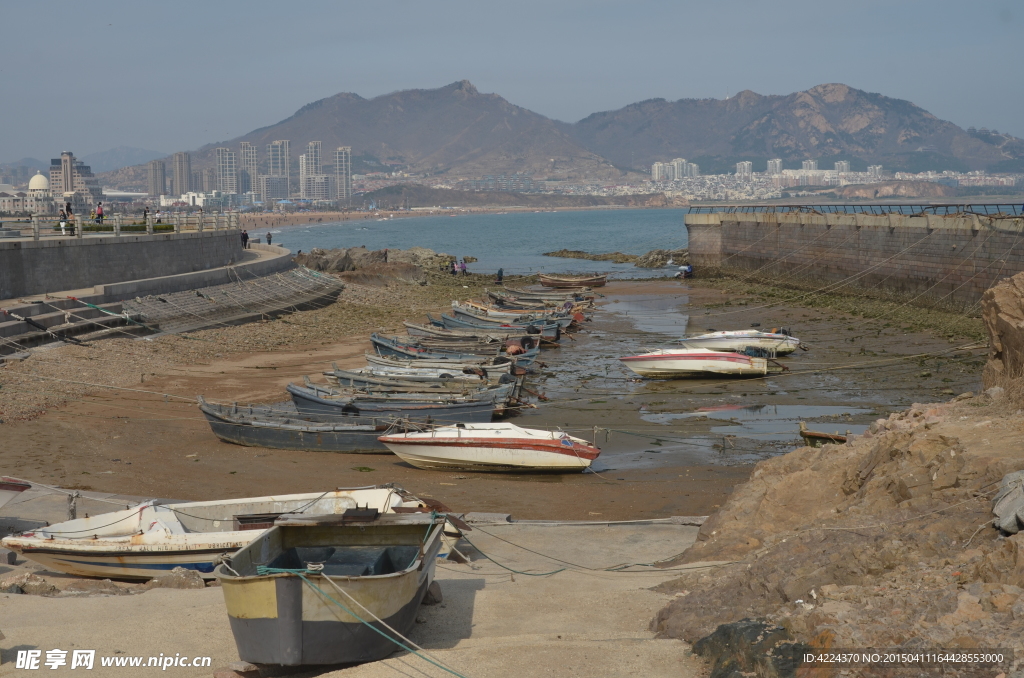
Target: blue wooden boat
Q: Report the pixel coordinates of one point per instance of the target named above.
(549, 331)
(388, 346)
(280, 426)
(319, 401)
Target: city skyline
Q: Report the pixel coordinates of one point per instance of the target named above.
(136, 113)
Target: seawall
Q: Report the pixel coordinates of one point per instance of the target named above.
(942, 259)
(51, 265)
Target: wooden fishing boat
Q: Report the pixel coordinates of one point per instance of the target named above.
(431, 330)
(817, 438)
(489, 314)
(566, 294)
(321, 401)
(11, 488)
(781, 343)
(545, 330)
(424, 377)
(492, 447)
(573, 281)
(330, 590)
(281, 427)
(367, 380)
(149, 540)
(387, 346)
(491, 368)
(695, 362)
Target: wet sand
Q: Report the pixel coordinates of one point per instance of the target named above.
(655, 464)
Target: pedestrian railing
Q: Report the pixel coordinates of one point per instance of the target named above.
(127, 224)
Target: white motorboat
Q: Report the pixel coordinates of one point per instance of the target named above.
(738, 340)
(492, 447)
(149, 540)
(695, 362)
(11, 488)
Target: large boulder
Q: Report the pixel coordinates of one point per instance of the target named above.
(1002, 309)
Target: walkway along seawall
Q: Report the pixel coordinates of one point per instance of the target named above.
(949, 260)
(54, 264)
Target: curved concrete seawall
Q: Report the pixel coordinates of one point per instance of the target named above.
(944, 259)
(51, 265)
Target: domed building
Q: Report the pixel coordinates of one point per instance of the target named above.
(36, 201)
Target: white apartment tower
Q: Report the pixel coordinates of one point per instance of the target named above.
(227, 171)
(744, 170)
(343, 172)
(313, 183)
(248, 168)
(775, 166)
(842, 166)
(661, 171)
(678, 168)
(810, 165)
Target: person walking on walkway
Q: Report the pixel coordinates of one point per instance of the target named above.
(455, 268)
(63, 219)
(245, 239)
(145, 215)
(270, 237)
(99, 213)
(462, 267)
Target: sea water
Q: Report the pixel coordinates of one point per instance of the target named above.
(514, 241)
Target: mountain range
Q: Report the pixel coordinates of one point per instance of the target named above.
(456, 131)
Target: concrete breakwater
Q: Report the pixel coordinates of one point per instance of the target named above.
(38, 266)
(942, 259)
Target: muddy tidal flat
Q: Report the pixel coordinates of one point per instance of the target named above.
(674, 447)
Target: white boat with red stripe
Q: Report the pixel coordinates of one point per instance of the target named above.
(492, 447)
(737, 340)
(11, 488)
(695, 362)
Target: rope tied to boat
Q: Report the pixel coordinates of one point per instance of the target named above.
(317, 568)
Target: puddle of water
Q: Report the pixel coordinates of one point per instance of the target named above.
(652, 313)
(769, 422)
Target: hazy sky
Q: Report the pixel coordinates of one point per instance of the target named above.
(168, 76)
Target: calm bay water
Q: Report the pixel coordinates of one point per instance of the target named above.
(515, 241)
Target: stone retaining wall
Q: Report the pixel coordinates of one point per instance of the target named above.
(51, 265)
(945, 259)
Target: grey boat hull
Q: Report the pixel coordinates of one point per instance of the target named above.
(277, 431)
(473, 411)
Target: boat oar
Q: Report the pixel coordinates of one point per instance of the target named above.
(38, 326)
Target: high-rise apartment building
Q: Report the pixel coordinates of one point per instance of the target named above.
(227, 171)
(248, 168)
(810, 165)
(313, 183)
(157, 178)
(775, 166)
(72, 181)
(662, 171)
(843, 166)
(692, 169)
(181, 169)
(744, 170)
(343, 173)
(278, 159)
(678, 168)
(874, 171)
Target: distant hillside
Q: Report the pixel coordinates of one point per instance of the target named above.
(122, 156)
(450, 130)
(829, 122)
(417, 195)
(456, 131)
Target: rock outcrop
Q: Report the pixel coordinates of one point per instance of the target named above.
(660, 258)
(375, 267)
(883, 541)
(1002, 309)
(896, 189)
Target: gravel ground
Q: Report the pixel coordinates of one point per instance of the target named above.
(58, 373)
